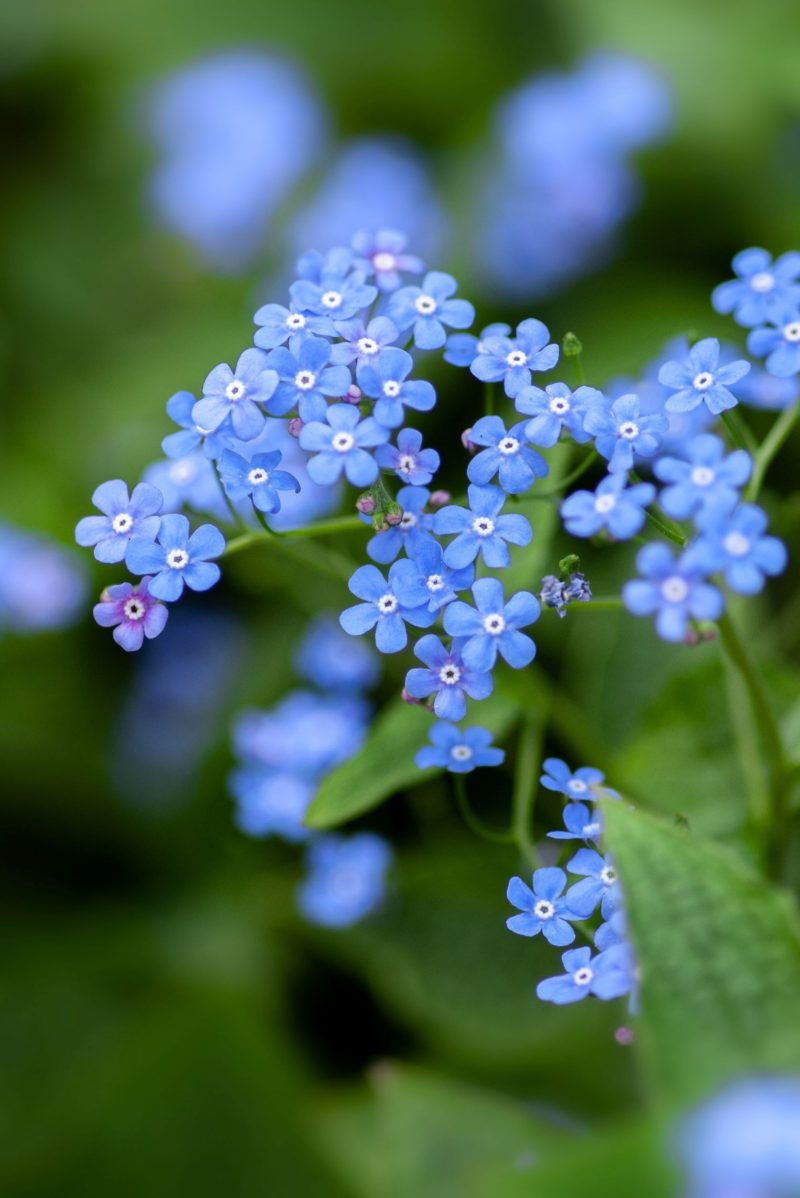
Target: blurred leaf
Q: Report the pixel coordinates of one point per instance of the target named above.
(719, 952)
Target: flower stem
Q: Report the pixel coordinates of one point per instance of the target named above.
(473, 822)
(668, 530)
(769, 448)
(525, 782)
(320, 557)
(739, 431)
(563, 483)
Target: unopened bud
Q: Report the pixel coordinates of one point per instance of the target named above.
(571, 346)
(691, 637)
(393, 514)
(295, 425)
(366, 504)
(624, 1035)
(407, 697)
(439, 498)
(470, 446)
(352, 394)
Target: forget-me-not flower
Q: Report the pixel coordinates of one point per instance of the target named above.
(440, 580)
(513, 359)
(278, 324)
(383, 608)
(387, 382)
(363, 343)
(413, 529)
(410, 462)
(701, 379)
(237, 395)
(585, 784)
(132, 612)
(554, 408)
(338, 291)
(761, 286)
(734, 542)
(600, 884)
(610, 974)
(506, 455)
(447, 676)
(271, 803)
(779, 342)
(383, 254)
(427, 309)
(177, 558)
(305, 378)
(481, 529)
(457, 751)
(124, 516)
(621, 430)
(190, 435)
(492, 626)
(341, 444)
(257, 478)
(674, 591)
(545, 908)
(612, 506)
(702, 476)
(346, 878)
(462, 348)
(580, 824)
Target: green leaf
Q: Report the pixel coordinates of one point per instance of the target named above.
(719, 952)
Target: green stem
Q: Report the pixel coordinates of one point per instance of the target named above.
(739, 431)
(601, 603)
(325, 560)
(488, 398)
(563, 483)
(668, 530)
(525, 785)
(235, 517)
(473, 822)
(322, 527)
(769, 448)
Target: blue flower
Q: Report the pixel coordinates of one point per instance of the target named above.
(600, 885)
(338, 291)
(346, 879)
(408, 459)
(462, 348)
(177, 445)
(761, 286)
(760, 389)
(554, 408)
(332, 660)
(257, 478)
(176, 558)
(189, 481)
(778, 342)
(513, 359)
(621, 431)
(42, 584)
(585, 784)
(700, 379)
(734, 543)
(447, 676)
(612, 506)
(413, 529)
(341, 445)
(271, 803)
(672, 591)
(237, 396)
(385, 381)
(305, 734)
(492, 626)
(701, 477)
(457, 751)
(363, 343)
(507, 455)
(125, 516)
(609, 975)
(429, 308)
(383, 609)
(441, 582)
(306, 378)
(132, 612)
(613, 931)
(580, 824)
(545, 908)
(383, 254)
(278, 324)
(480, 529)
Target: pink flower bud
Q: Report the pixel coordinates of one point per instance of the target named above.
(295, 425)
(393, 519)
(470, 446)
(439, 498)
(352, 394)
(365, 504)
(409, 698)
(624, 1035)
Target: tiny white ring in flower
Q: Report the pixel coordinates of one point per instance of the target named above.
(559, 405)
(332, 299)
(494, 624)
(450, 674)
(544, 909)
(517, 357)
(122, 523)
(461, 752)
(508, 446)
(391, 389)
(736, 544)
(407, 463)
(367, 346)
(425, 304)
(177, 559)
(257, 476)
(387, 604)
(235, 390)
(582, 977)
(629, 430)
(483, 526)
(703, 380)
(304, 380)
(792, 331)
(384, 261)
(577, 786)
(675, 589)
(762, 281)
(434, 582)
(134, 609)
(702, 476)
(604, 503)
(342, 442)
(408, 520)
(608, 875)
(295, 321)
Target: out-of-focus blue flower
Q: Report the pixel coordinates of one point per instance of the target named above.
(42, 584)
(703, 476)
(701, 379)
(761, 286)
(346, 879)
(492, 626)
(305, 734)
(383, 254)
(341, 444)
(447, 676)
(132, 612)
(306, 378)
(516, 465)
(613, 931)
(554, 408)
(461, 349)
(429, 308)
(410, 462)
(383, 609)
(333, 661)
(674, 591)
(514, 359)
(779, 342)
(387, 382)
(363, 343)
(235, 133)
(237, 396)
(612, 506)
(760, 389)
(440, 581)
(580, 824)
(189, 481)
(124, 516)
(545, 908)
(176, 558)
(734, 543)
(610, 974)
(481, 529)
(339, 291)
(457, 751)
(271, 803)
(585, 784)
(177, 445)
(600, 884)
(278, 324)
(621, 431)
(257, 478)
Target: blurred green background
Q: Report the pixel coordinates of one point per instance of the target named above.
(169, 1024)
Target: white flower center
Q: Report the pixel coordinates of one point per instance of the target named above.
(792, 331)
(702, 476)
(391, 389)
(508, 446)
(235, 390)
(177, 559)
(257, 476)
(134, 609)
(516, 358)
(703, 380)
(577, 786)
(582, 977)
(295, 321)
(387, 604)
(736, 544)
(342, 442)
(559, 406)
(305, 380)
(425, 305)
(494, 624)
(483, 526)
(408, 520)
(123, 522)
(608, 875)
(367, 346)
(544, 910)
(331, 299)
(461, 752)
(629, 431)
(450, 674)
(434, 582)
(604, 503)
(383, 260)
(762, 282)
(675, 589)
(407, 463)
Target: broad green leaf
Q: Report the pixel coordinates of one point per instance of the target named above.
(719, 952)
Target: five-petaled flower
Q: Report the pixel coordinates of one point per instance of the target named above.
(132, 611)
(492, 626)
(124, 516)
(513, 359)
(480, 529)
(506, 455)
(545, 908)
(388, 605)
(457, 751)
(177, 558)
(341, 444)
(427, 309)
(237, 396)
(701, 379)
(447, 676)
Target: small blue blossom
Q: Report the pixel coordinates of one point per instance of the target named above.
(177, 445)
(177, 558)
(305, 734)
(613, 931)
(124, 516)
(363, 343)
(462, 348)
(413, 530)
(492, 626)
(600, 884)
(674, 591)
(447, 676)
(237, 396)
(441, 582)
(410, 462)
(779, 342)
(257, 478)
(429, 308)
(608, 975)
(507, 456)
(306, 378)
(580, 824)
(760, 389)
(383, 255)
(346, 879)
(271, 803)
(621, 431)
(278, 324)
(383, 609)
(338, 291)
(132, 612)
(585, 784)
(513, 359)
(457, 751)
(481, 529)
(701, 477)
(341, 444)
(761, 286)
(734, 543)
(612, 506)
(554, 408)
(333, 661)
(545, 908)
(701, 379)
(387, 382)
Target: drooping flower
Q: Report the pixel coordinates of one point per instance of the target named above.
(621, 431)
(481, 529)
(132, 612)
(610, 974)
(410, 462)
(177, 558)
(734, 542)
(612, 506)
(429, 308)
(545, 908)
(306, 378)
(341, 445)
(383, 609)
(507, 456)
(124, 516)
(346, 878)
(554, 408)
(447, 676)
(513, 359)
(761, 286)
(701, 379)
(701, 476)
(580, 824)
(584, 785)
(457, 751)
(600, 884)
(386, 381)
(492, 626)
(237, 396)
(674, 591)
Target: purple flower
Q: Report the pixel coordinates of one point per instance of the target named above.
(612, 506)
(446, 676)
(610, 974)
(513, 359)
(132, 612)
(362, 343)
(761, 286)
(457, 751)
(492, 626)
(545, 908)
(506, 455)
(383, 255)
(429, 308)
(408, 459)
(554, 408)
(341, 445)
(481, 529)
(176, 558)
(237, 396)
(387, 382)
(779, 342)
(125, 516)
(622, 431)
(701, 477)
(306, 378)
(700, 379)
(672, 591)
